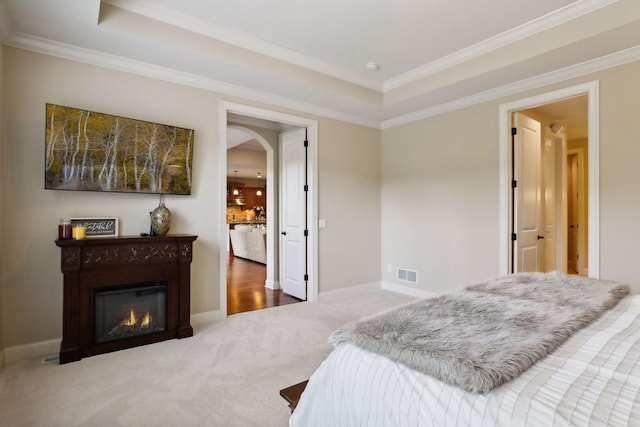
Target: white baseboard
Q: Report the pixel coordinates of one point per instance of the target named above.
(346, 292)
(36, 349)
(52, 347)
(205, 318)
(408, 290)
(272, 284)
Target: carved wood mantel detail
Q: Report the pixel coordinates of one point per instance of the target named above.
(98, 263)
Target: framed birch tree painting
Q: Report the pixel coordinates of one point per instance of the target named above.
(90, 151)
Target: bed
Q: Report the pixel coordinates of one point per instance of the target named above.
(591, 379)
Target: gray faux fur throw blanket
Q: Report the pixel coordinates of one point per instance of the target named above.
(488, 333)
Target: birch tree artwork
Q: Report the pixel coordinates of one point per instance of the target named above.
(101, 152)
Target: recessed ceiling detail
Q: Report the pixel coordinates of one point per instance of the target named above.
(308, 56)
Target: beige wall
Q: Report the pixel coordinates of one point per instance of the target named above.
(440, 198)
(444, 171)
(32, 282)
(350, 202)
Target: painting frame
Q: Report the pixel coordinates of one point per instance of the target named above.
(90, 151)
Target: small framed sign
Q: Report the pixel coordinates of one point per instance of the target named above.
(98, 227)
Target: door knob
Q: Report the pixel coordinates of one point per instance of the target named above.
(284, 233)
(540, 237)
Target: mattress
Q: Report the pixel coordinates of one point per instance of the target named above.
(593, 379)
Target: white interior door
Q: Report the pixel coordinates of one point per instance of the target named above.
(550, 205)
(528, 254)
(576, 211)
(293, 214)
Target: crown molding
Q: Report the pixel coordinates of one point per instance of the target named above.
(516, 34)
(92, 57)
(608, 61)
(113, 62)
(153, 11)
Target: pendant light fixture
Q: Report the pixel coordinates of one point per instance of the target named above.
(259, 192)
(236, 192)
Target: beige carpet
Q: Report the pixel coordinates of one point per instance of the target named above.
(228, 374)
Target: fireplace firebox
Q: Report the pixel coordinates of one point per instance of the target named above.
(122, 292)
(130, 312)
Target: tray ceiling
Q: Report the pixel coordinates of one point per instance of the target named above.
(310, 56)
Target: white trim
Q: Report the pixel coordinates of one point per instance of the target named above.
(152, 10)
(87, 56)
(92, 57)
(227, 107)
(52, 347)
(36, 349)
(592, 90)
(565, 14)
(608, 61)
(113, 62)
(272, 284)
(203, 319)
(543, 23)
(408, 290)
(348, 292)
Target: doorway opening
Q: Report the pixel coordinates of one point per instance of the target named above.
(250, 272)
(535, 226)
(259, 279)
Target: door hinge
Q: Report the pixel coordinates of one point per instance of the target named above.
(514, 183)
(514, 131)
(514, 236)
(306, 277)
(306, 233)
(306, 188)
(306, 143)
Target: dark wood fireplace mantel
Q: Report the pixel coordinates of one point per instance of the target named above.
(98, 263)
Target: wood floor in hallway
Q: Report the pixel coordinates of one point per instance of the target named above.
(246, 290)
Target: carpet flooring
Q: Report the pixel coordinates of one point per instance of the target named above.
(228, 374)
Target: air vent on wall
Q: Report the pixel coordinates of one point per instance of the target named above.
(407, 275)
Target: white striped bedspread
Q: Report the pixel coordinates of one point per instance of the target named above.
(593, 379)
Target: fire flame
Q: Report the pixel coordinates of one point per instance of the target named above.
(146, 320)
(131, 320)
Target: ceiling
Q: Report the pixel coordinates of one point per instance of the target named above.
(309, 56)
(572, 114)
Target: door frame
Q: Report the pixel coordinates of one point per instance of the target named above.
(591, 89)
(227, 107)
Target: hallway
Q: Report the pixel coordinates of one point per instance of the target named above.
(246, 290)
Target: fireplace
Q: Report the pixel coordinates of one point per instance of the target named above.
(130, 312)
(122, 292)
